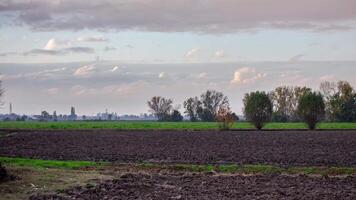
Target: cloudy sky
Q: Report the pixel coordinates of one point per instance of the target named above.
(117, 54)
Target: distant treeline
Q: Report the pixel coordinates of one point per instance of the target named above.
(338, 103)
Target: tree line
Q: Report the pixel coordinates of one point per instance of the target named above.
(332, 102)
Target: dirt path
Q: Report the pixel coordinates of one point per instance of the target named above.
(286, 148)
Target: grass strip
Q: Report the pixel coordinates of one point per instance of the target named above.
(225, 168)
(254, 169)
(152, 125)
(36, 163)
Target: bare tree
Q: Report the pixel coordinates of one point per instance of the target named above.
(207, 107)
(281, 98)
(2, 92)
(211, 102)
(160, 107)
(298, 92)
(3, 172)
(285, 102)
(328, 90)
(191, 106)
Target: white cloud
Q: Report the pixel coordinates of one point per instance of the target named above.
(129, 89)
(54, 44)
(78, 90)
(43, 75)
(247, 75)
(51, 45)
(328, 77)
(162, 75)
(121, 89)
(52, 91)
(220, 54)
(192, 53)
(202, 75)
(115, 68)
(84, 71)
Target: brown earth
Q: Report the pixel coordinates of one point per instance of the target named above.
(202, 186)
(3, 173)
(285, 148)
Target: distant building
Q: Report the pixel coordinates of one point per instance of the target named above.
(10, 109)
(141, 117)
(72, 115)
(54, 116)
(107, 116)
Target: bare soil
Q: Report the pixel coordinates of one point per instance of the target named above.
(284, 148)
(203, 186)
(3, 173)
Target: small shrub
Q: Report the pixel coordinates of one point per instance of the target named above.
(311, 108)
(225, 119)
(258, 108)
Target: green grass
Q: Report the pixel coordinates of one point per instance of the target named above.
(25, 162)
(225, 168)
(160, 125)
(254, 169)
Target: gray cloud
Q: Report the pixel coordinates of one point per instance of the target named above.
(64, 51)
(79, 50)
(92, 39)
(296, 58)
(7, 54)
(107, 48)
(208, 16)
(34, 52)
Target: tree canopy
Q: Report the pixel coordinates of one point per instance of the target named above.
(258, 108)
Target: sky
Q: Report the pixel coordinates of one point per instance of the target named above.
(115, 55)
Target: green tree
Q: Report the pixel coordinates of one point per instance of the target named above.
(176, 116)
(311, 109)
(340, 102)
(258, 108)
(45, 116)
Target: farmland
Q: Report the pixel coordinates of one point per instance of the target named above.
(178, 164)
(291, 148)
(151, 125)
